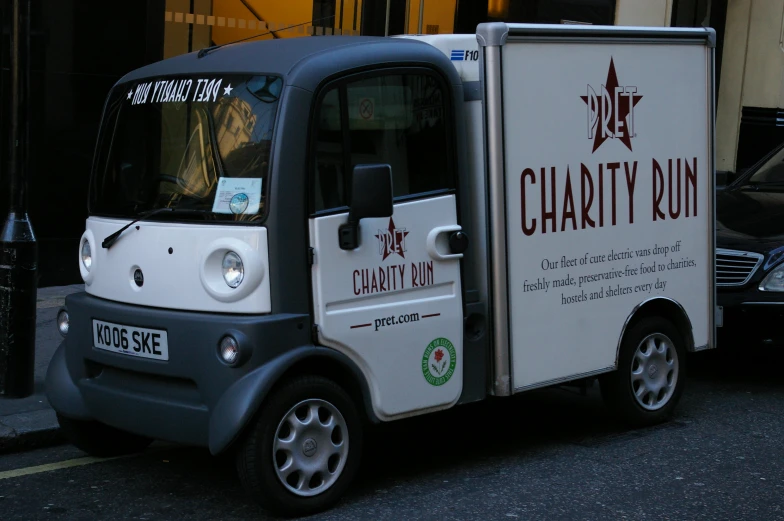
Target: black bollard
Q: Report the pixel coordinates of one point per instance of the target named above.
(18, 247)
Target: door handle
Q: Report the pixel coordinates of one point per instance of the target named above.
(433, 236)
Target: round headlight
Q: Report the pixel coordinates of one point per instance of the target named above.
(233, 270)
(87, 255)
(229, 349)
(62, 322)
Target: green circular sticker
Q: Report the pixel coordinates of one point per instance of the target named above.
(438, 362)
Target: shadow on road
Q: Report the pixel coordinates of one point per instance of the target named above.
(525, 428)
(466, 443)
(536, 422)
(739, 364)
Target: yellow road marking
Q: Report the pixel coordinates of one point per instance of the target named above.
(78, 462)
(50, 303)
(48, 467)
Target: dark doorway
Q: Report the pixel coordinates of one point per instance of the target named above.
(79, 49)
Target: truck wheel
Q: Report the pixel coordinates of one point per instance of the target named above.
(101, 440)
(302, 451)
(649, 381)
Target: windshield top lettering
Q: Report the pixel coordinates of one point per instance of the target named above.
(176, 91)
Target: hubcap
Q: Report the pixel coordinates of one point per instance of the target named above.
(310, 447)
(654, 371)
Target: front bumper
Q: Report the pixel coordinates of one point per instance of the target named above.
(752, 317)
(193, 398)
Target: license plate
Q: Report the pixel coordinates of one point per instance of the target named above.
(129, 340)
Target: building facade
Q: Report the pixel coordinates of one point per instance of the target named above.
(80, 48)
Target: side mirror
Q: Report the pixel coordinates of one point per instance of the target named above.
(371, 196)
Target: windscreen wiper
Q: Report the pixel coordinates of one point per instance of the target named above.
(111, 239)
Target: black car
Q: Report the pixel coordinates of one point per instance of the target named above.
(750, 253)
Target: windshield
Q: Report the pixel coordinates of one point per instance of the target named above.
(201, 143)
(771, 172)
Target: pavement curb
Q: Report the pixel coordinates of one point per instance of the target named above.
(29, 430)
(30, 423)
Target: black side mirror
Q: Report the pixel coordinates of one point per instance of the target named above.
(371, 196)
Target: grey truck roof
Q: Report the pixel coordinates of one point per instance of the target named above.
(303, 62)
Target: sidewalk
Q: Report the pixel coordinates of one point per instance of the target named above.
(31, 422)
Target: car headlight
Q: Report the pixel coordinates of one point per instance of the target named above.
(774, 280)
(87, 255)
(62, 322)
(229, 349)
(233, 270)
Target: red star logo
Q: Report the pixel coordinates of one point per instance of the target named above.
(624, 107)
(391, 241)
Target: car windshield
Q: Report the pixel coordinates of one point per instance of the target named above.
(771, 172)
(201, 143)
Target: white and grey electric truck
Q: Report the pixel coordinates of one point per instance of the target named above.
(289, 239)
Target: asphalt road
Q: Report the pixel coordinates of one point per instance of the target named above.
(545, 455)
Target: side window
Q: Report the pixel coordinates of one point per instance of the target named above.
(397, 119)
(330, 176)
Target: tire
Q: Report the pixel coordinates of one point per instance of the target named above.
(101, 440)
(335, 451)
(665, 372)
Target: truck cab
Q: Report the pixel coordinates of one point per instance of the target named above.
(191, 315)
(288, 239)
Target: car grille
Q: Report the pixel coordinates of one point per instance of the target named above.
(735, 268)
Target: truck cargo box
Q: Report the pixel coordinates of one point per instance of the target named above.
(601, 180)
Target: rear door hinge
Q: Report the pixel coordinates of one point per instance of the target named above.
(311, 256)
(314, 332)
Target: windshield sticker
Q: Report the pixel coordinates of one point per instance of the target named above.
(178, 91)
(238, 195)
